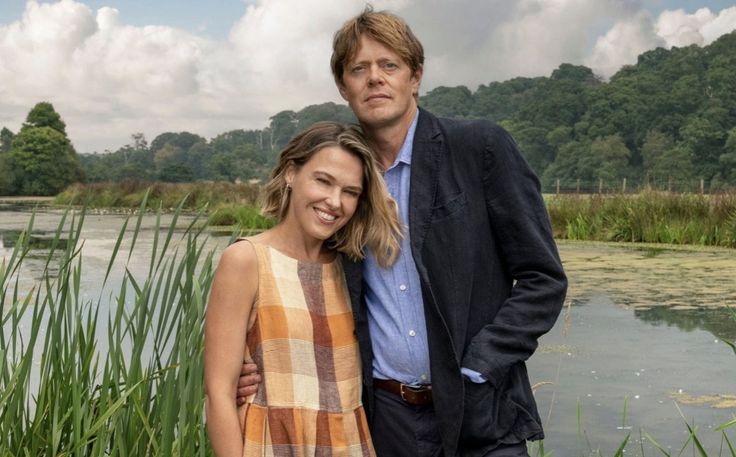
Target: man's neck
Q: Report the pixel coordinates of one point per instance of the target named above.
(387, 140)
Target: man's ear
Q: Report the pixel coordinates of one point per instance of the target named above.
(343, 91)
(417, 80)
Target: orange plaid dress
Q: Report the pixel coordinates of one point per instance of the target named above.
(301, 336)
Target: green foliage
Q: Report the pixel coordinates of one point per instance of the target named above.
(44, 115)
(243, 217)
(129, 195)
(651, 217)
(6, 140)
(143, 394)
(42, 161)
(7, 176)
(667, 122)
(449, 101)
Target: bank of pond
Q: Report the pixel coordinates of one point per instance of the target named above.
(648, 216)
(101, 339)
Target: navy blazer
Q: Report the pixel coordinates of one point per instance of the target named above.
(492, 281)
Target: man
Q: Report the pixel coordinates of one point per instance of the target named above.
(445, 332)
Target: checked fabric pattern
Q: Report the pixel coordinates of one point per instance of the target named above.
(308, 403)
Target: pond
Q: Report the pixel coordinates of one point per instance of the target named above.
(641, 335)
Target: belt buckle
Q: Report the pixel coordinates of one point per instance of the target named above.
(411, 389)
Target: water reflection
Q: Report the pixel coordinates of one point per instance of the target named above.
(718, 321)
(38, 240)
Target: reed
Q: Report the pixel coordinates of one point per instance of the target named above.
(130, 194)
(241, 217)
(61, 395)
(650, 216)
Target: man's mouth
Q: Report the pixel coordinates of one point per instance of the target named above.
(377, 97)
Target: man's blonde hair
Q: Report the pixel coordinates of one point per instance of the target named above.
(386, 28)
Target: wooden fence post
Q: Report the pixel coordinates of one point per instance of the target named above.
(577, 188)
(558, 186)
(600, 185)
(623, 187)
(702, 186)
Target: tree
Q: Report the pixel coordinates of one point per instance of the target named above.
(657, 145)
(612, 157)
(43, 161)
(7, 176)
(704, 136)
(449, 101)
(282, 127)
(44, 115)
(728, 158)
(6, 139)
(182, 140)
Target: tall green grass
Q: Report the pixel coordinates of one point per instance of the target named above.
(652, 217)
(130, 194)
(60, 395)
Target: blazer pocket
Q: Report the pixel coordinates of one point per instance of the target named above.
(449, 207)
(488, 416)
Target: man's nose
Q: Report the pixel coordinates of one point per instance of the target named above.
(374, 75)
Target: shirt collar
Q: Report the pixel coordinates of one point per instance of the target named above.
(406, 148)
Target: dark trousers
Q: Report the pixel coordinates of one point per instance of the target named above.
(403, 430)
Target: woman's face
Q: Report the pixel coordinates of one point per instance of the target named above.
(325, 191)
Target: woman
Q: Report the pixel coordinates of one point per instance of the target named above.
(280, 298)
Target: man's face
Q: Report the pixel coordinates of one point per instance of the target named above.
(379, 86)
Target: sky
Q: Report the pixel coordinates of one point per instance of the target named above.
(113, 68)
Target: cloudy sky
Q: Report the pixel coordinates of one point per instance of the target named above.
(115, 67)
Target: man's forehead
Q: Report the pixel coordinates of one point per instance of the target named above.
(365, 39)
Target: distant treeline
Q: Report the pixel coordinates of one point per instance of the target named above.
(670, 118)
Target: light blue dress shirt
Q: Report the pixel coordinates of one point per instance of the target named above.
(394, 297)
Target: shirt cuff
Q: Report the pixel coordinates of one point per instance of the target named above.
(474, 376)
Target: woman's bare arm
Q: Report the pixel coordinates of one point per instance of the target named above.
(232, 297)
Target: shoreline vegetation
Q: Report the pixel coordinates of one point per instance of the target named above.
(63, 392)
(648, 216)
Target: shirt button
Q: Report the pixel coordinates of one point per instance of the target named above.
(424, 377)
(402, 287)
(412, 333)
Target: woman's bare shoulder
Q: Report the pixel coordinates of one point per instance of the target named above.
(239, 256)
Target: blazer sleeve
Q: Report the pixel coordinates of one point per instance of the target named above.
(519, 220)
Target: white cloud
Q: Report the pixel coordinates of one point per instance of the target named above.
(623, 43)
(109, 79)
(633, 35)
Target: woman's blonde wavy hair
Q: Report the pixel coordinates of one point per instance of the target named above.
(375, 223)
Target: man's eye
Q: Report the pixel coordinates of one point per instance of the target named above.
(357, 69)
(390, 66)
(322, 181)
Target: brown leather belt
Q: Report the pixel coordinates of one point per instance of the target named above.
(414, 395)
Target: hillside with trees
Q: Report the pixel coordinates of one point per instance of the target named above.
(668, 122)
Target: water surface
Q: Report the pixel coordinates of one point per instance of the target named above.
(643, 328)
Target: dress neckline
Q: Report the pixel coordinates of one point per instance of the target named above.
(283, 254)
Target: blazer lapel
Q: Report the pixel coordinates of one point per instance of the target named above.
(425, 160)
(354, 280)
